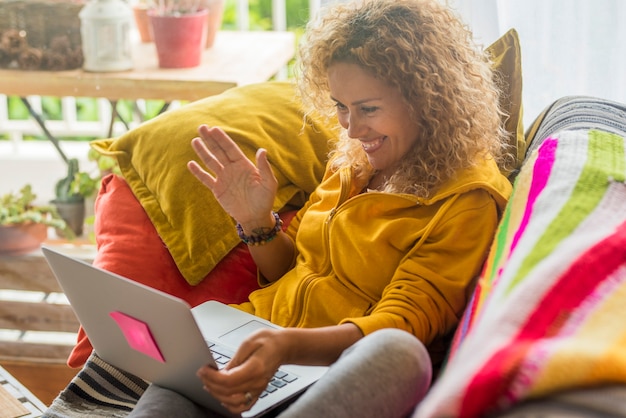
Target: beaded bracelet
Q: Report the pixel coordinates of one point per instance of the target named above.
(263, 238)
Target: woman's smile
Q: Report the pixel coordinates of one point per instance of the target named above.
(372, 145)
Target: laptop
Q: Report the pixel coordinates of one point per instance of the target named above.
(159, 338)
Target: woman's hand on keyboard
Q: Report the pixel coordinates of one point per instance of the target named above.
(240, 384)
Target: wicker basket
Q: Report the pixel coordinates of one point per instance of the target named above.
(45, 29)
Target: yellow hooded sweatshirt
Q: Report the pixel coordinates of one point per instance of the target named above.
(382, 260)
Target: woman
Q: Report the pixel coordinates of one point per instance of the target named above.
(396, 231)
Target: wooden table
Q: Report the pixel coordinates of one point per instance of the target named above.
(16, 400)
(237, 58)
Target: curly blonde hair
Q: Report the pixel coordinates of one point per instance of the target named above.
(422, 49)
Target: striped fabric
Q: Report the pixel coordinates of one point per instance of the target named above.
(549, 310)
(98, 390)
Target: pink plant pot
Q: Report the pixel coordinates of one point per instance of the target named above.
(179, 39)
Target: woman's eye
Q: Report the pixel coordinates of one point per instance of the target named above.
(369, 109)
(341, 107)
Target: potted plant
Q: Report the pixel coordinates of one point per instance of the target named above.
(74, 193)
(163, 7)
(70, 203)
(24, 225)
(179, 31)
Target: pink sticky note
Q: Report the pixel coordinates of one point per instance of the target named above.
(138, 335)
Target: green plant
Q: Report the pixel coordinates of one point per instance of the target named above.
(63, 189)
(84, 184)
(19, 208)
(87, 184)
(78, 185)
(174, 7)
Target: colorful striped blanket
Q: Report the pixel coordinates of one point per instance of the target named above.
(549, 310)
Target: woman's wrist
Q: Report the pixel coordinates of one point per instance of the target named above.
(262, 232)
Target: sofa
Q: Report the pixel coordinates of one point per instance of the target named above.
(542, 334)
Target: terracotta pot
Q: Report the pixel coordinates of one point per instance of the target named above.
(143, 23)
(179, 40)
(216, 15)
(22, 238)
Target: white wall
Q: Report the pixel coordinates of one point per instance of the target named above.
(39, 164)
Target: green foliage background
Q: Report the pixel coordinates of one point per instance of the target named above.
(87, 109)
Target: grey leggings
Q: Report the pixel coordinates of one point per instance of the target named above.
(384, 375)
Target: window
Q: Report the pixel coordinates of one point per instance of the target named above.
(569, 47)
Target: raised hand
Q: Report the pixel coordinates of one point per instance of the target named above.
(244, 190)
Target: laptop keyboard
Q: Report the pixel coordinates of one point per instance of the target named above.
(222, 355)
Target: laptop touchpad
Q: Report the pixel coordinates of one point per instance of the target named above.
(236, 336)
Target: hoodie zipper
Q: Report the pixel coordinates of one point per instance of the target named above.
(304, 286)
(343, 196)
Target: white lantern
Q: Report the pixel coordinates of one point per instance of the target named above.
(105, 27)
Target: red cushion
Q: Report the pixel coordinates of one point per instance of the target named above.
(129, 245)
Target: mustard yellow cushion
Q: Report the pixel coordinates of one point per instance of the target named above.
(192, 225)
(507, 62)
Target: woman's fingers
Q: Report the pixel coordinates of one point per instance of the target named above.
(218, 152)
(220, 144)
(240, 402)
(208, 158)
(206, 178)
(237, 390)
(228, 383)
